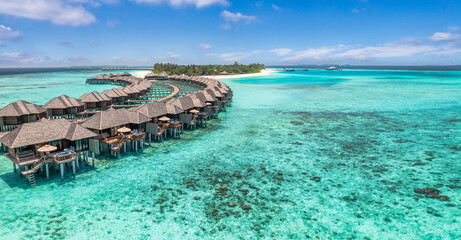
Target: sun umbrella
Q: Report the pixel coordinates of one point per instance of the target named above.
(194, 111)
(47, 148)
(164, 119)
(123, 130)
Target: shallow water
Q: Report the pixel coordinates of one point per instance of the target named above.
(335, 157)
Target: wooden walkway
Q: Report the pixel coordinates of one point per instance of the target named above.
(175, 91)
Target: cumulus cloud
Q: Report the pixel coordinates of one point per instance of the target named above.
(181, 3)
(58, 12)
(281, 51)
(237, 17)
(8, 33)
(444, 36)
(204, 46)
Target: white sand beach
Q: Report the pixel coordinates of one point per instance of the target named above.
(140, 74)
(264, 72)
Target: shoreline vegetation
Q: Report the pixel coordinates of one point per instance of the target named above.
(207, 70)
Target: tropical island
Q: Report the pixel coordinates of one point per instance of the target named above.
(200, 70)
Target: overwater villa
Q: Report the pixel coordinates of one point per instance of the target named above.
(107, 125)
(64, 107)
(148, 110)
(66, 143)
(95, 101)
(18, 113)
(117, 95)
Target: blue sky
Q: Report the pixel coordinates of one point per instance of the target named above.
(142, 32)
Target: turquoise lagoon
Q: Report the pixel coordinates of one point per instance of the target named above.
(317, 154)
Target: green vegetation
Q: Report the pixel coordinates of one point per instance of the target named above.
(198, 70)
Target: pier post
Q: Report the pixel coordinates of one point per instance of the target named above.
(136, 146)
(47, 171)
(62, 170)
(150, 139)
(14, 166)
(73, 167)
(124, 147)
(77, 161)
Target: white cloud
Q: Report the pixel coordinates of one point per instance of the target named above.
(275, 7)
(8, 33)
(111, 23)
(281, 51)
(181, 3)
(205, 46)
(443, 36)
(14, 55)
(59, 12)
(387, 50)
(237, 17)
(312, 53)
(67, 44)
(449, 52)
(237, 56)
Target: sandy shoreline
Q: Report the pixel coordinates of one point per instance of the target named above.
(264, 72)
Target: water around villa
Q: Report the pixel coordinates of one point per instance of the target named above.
(354, 154)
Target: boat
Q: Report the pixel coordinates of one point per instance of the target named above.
(289, 70)
(332, 68)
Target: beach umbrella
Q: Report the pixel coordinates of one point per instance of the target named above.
(194, 111)
(164, 119)
(123, 130)
(208, 103)
(47, 148)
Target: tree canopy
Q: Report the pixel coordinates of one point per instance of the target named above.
(199, 70)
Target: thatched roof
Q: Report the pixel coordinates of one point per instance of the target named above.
(125, 74)
(152, 109)
(129, 90)
(44, 131)
(183, 102)
(62, 102)
(214, 92)
(197, 102)
(173, 109)
(115, 92)
(150, 74)
(204, 96)
(163, 74)
(113, 118)
(94, 97)
(21, 108)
